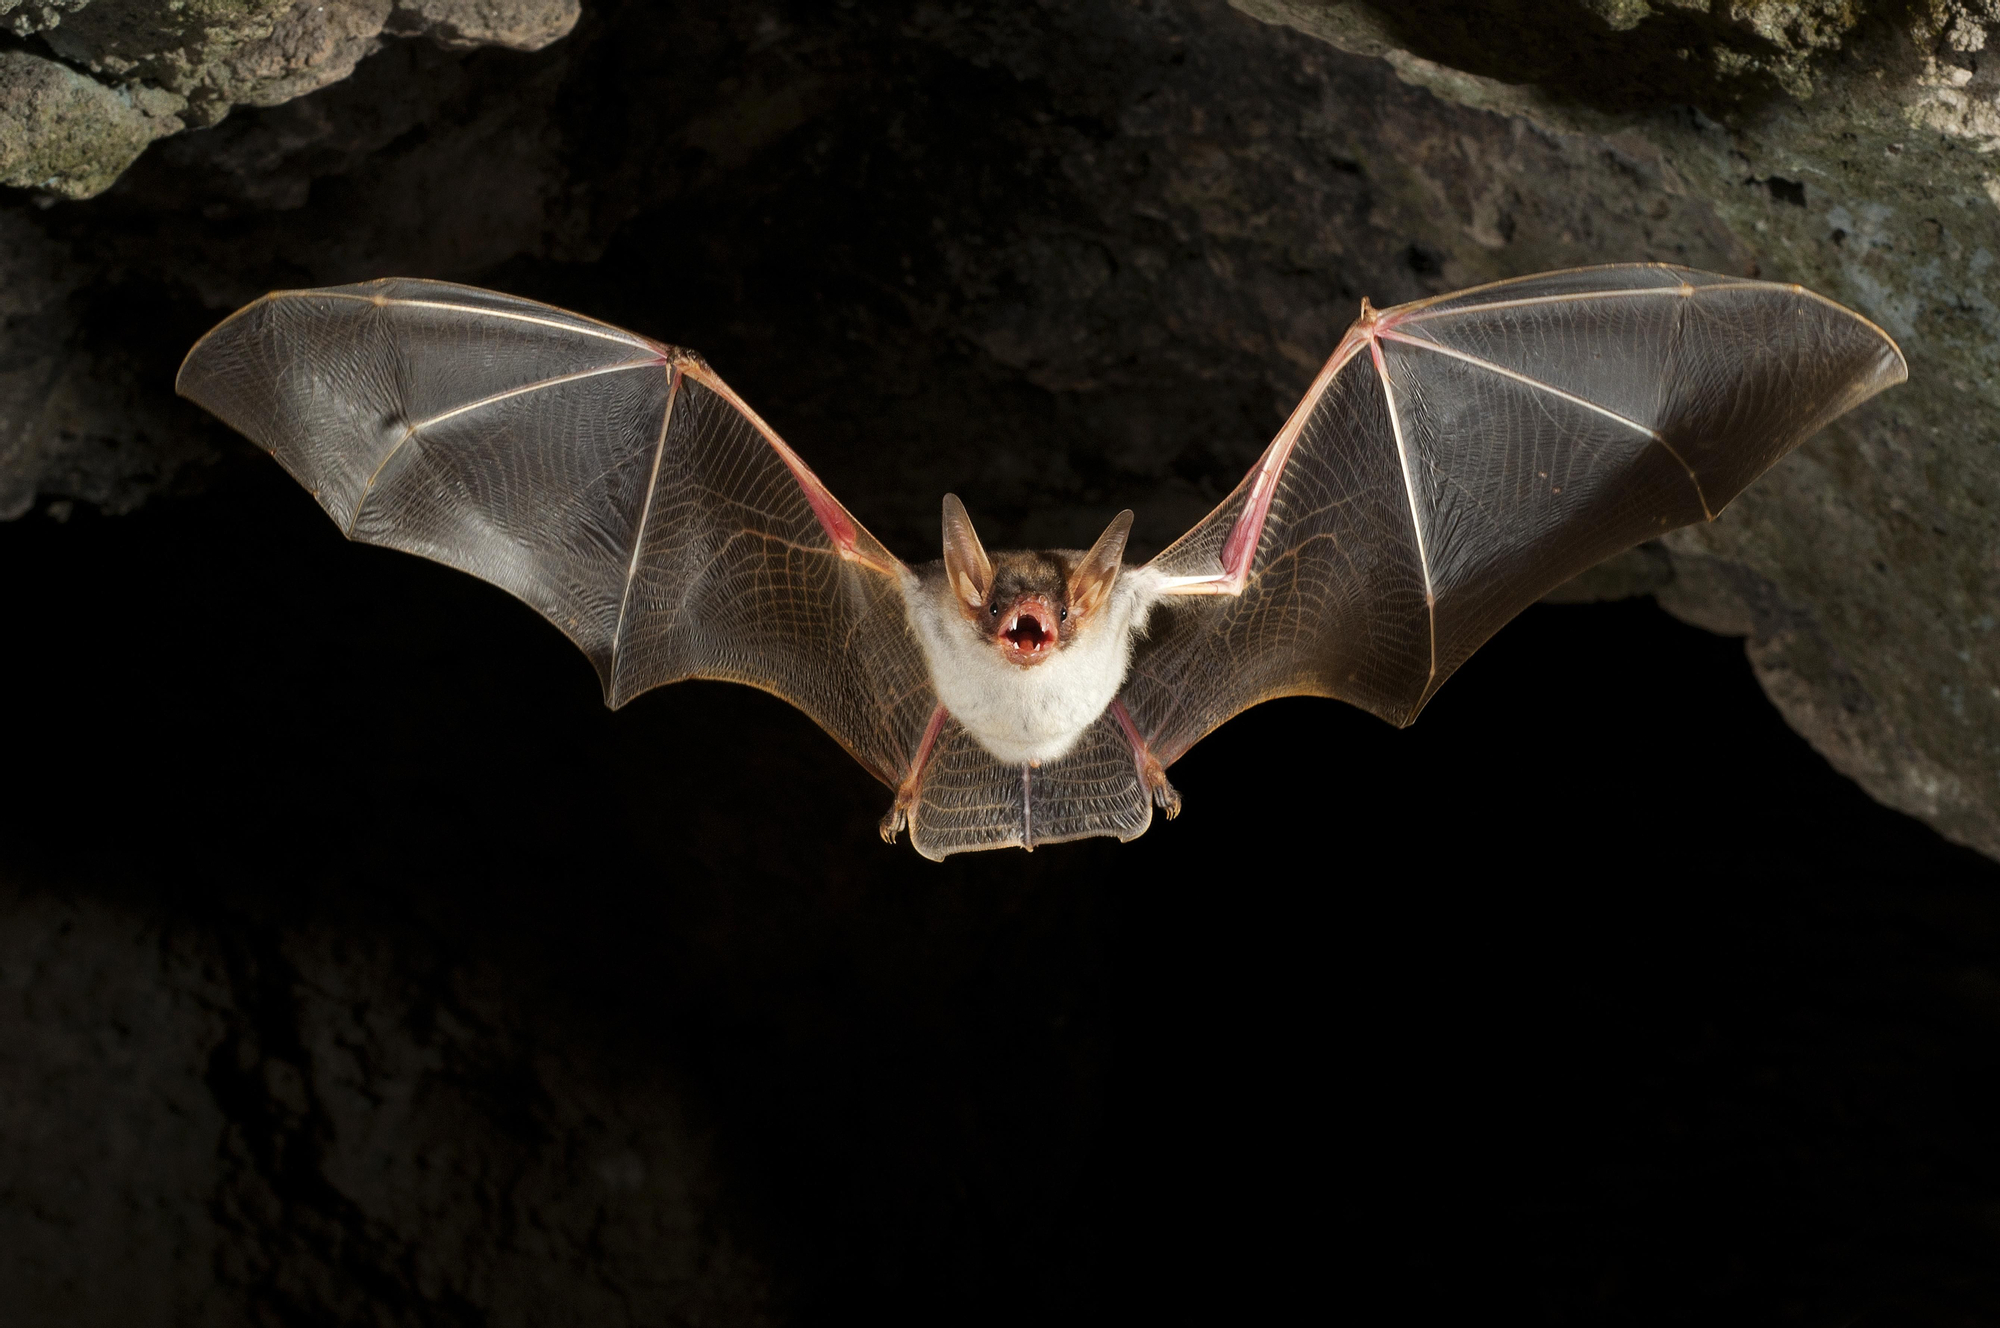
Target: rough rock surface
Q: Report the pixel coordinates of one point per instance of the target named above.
(158, 66)
(311, 1127)
(69, 134)
(1847, 150)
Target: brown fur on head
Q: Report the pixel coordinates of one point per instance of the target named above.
(1027, 607)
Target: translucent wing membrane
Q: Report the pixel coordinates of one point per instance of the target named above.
(614, 484)
(734, 578)
(1335, 604)
(971, 801)
(1461, 457)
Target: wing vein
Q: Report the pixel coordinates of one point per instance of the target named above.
(1568, 297)
(536, 386)
(411, 430)
(1421, 311)
(1248, 529)
(1673, 367)
(1572, 398)
(1416, 521)
(1526, 381)
(645, 515)
(573, 324)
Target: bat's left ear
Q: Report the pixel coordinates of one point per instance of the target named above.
(1090, 584)
(966, 565)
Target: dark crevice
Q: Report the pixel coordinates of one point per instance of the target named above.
(1781, 190)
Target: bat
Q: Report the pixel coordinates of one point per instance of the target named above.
(1455, 459)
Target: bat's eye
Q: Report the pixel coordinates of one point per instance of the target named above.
(995, 610)
(1063, 616)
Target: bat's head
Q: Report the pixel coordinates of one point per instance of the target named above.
(1029, 605)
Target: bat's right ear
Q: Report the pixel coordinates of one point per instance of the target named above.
(1090, 584)
(966, 565)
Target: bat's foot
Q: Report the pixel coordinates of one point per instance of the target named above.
(1151, 773)
(1165, 795)
(903, 811)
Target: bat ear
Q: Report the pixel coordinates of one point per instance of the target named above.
(966, 565)
(1090, 584)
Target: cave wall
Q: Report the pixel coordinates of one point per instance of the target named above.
(220, 1117)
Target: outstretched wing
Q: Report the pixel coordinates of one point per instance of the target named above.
(1459, 457)
(615, 484)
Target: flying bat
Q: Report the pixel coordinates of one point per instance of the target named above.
(1455, 459)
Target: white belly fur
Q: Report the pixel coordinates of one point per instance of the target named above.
(1025, 716)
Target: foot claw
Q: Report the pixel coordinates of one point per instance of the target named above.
(903, 811)
(1152, 774)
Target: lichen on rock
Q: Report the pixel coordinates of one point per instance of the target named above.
(65, 133)
(128, 72)
(518, 25)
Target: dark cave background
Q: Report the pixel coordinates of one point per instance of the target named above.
(372, 972)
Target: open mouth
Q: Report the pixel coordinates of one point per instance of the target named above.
(1030, 630)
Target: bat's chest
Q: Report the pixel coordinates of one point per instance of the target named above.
(1033, 714)
(1027, 715)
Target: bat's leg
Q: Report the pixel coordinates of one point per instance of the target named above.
(904, 809)
(1027, 815)
(1151, 773)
